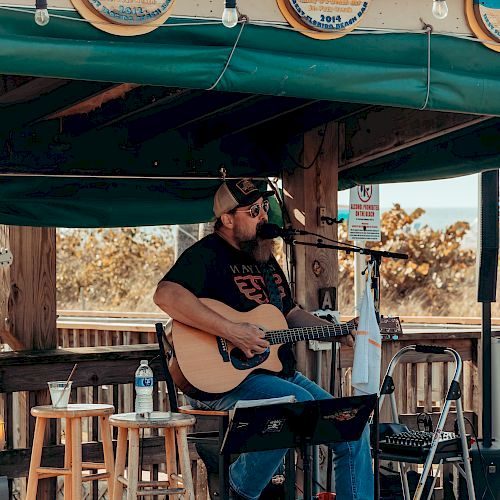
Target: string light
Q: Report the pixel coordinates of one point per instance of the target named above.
(439, 9)
(42, 17)
(230, 14)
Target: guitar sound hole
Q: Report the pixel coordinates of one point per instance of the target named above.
(241, 362)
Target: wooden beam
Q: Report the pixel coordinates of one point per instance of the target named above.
(306, 190)
(15, 463)
(30, 89)
(31, 370)
(380, 131)
(40, 107)
(138, 100)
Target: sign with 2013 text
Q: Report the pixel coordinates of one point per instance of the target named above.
(364, 213)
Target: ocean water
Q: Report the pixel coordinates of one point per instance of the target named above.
(440, 219)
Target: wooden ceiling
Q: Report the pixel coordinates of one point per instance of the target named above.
(45, 114)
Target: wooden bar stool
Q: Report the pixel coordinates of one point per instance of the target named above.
(73, 464)
(175, 426)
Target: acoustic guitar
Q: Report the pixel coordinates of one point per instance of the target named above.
(206, 366)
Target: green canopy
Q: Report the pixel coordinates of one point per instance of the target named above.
(387, 69)
(383, 69)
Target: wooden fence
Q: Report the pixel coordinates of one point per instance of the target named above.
(108, 355)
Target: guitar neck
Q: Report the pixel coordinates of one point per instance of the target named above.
(323, 332)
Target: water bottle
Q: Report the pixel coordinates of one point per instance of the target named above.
(144, 388)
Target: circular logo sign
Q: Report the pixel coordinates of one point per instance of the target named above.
(125, 17)
(487, 13)
(332, 18)
(130, 12)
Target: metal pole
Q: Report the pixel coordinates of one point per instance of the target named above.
(359, 278)
(486, 379)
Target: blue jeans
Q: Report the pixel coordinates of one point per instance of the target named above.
(251, 472)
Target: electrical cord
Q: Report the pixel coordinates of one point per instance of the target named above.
(316, 156)
(483, 462)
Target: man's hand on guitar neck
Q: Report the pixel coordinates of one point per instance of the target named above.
(298, 317)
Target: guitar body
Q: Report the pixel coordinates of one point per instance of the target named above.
(205, 366)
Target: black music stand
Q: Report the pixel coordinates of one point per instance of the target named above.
(298, 425)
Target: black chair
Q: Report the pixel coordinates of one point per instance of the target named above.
(209, 442)
(206, 442)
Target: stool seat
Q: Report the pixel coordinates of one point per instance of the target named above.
(73, 411)
(189, 410)
(73, 465)
(175, 426)
(155, 420)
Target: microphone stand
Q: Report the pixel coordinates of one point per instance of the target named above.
(376, 260)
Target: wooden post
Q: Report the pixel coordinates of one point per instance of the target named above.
(28, 307)
(308, 189)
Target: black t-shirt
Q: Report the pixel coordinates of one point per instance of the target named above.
(212, 268)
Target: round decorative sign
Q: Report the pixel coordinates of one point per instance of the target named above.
(488, 15)
(483, 17)
(324, 19)
(125, 17)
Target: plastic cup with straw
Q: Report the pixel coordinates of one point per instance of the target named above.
(60, 390)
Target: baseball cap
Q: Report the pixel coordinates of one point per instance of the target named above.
(237, 192)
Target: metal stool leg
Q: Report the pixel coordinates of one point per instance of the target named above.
(465, 450)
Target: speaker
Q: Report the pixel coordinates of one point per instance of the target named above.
(487, 262)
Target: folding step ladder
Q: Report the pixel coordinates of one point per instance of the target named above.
(458, 459)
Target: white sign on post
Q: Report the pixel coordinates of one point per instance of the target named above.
(364, 213)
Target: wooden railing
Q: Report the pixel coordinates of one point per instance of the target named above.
(108, 354)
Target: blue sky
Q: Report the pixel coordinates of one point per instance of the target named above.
(456, 192)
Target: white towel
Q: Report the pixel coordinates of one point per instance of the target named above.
(368, 346)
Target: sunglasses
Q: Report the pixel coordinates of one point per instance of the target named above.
(254, 210)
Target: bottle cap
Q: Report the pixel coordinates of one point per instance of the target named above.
(144, 361)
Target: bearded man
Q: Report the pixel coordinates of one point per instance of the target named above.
(234, 266)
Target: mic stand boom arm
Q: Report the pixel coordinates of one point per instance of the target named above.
(376, 259)
(376, 254)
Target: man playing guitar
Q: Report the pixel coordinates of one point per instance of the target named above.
(234, 266)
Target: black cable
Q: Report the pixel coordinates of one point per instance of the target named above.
(316, 156)
(314, 482)
(483, 462)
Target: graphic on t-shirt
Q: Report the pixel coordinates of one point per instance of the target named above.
(253, 287)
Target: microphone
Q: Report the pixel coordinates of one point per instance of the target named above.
(271, 231)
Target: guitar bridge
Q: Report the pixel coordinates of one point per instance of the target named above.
(223, 351)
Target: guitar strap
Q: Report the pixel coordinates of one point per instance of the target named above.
(272, 289)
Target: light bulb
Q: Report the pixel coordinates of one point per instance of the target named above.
(439, 9)
(230, 14)
(230, 18)
(42, 17)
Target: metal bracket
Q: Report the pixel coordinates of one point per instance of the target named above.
(320, 345)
